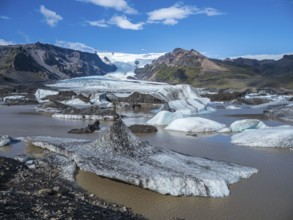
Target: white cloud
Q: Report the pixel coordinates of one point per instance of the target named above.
(99, 23)
(263, 56)
(52, 18)
(171, 15)
(119, 21)
(210, 12)
(4, 17)
(5, 42)
(119, 5)
(124, 23)
(75, 46)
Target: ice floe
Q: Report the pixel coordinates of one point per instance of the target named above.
(42, 93)
(188, 107)
(4, 140)
(245, 124)
(164, 118)
(280, 137)
(119, 154)
(195, 125)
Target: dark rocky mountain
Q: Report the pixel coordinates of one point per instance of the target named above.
(189, 66)
(42, 62)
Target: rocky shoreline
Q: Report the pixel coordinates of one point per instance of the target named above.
(41, 194)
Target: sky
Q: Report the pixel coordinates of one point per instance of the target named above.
(215, 28)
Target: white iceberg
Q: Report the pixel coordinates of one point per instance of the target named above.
(119, 154)
(4, 140)
(245, 124)
(281, 136)
(83, 117)
(195, 125)
(42, 93)
(76, 102)
(164, 118)
(233, 107)
(179, 92)
(189, 107)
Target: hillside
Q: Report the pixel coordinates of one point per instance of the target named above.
(42, 62)
(189, 66)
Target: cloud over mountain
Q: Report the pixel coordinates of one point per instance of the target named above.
(51, 17)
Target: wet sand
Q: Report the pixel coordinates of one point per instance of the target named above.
(266, 195)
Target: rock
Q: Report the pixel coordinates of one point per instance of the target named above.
(90, 113)
(136, 98)
(87, 130)
(139, 128)
(283, 113)
(18, 100)
(120, 155)
(52, 106)
(224, 95)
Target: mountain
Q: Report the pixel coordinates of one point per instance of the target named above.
(189, 66)
(42, 62)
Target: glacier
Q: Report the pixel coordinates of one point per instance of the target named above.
(119, 154)
(278, 137)
(195, 125)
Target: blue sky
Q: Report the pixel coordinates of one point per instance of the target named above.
(216, 28)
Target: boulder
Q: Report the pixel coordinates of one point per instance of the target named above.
(87, 130)
(283, 113)
(140, 128)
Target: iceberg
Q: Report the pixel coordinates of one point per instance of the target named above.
(4, 140)
(195, 125)
(179, 92)
(119, 154)
(279, 137)
(42, 93)
(188, 107)
(164, 118)
(245, 124)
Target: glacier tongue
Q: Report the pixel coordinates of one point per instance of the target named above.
(119, 154)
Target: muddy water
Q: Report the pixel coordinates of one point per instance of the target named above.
(266, 195)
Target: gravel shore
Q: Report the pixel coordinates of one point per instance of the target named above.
(40, 193)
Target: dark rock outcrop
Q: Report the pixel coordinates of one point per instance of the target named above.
(135, 98)
(139, 128)
(87, 130)
(282, 113)
(52, 106)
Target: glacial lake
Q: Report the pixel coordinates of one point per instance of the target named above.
(265, 195)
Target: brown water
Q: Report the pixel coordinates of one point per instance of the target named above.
(266, 195)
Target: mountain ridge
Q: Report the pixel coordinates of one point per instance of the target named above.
(44, 62)
(189, 66)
